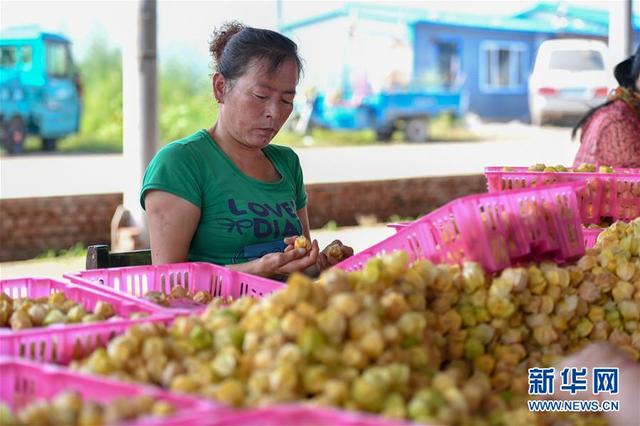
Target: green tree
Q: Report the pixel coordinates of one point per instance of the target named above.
(101, 72)
(186, 101)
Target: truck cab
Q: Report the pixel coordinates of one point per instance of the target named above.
(40, 90)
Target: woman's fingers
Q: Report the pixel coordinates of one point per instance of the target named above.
(323, 262)
(347, 251)
(290, 240)
(313, 254)
(333, 257)
(302, 262)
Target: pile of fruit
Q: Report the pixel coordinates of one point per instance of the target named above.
(431, 343)
(178, 296)
(582, 168)
(334, 250)
(68, 408)
(22, 313)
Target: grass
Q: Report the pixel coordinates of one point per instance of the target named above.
(77, 144)
(443, 128)
(396, 218)
(446, 128)
(78, 250)
(332, 225)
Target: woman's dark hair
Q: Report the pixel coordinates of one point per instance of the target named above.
(233, 46)
(626, 73)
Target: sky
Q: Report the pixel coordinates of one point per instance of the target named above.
(188, 24)
(184, 27)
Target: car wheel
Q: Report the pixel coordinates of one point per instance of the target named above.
(3, 133)
(417, 130)
(16, 136)
(384, 135)
(49, 144)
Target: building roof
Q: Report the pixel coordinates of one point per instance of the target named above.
(29, 33)
(542, 18)
(547, 10)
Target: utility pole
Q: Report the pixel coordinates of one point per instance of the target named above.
(279, 15)
(620, 30)
(140, 118)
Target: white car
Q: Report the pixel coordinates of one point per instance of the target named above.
(570, 76)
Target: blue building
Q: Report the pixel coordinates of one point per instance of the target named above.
(488, 58)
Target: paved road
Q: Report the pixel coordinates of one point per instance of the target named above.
(52, 175)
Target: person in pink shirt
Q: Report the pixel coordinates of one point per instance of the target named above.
(610, 133)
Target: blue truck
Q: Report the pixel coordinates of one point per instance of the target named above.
(40, 88)
(407, 110)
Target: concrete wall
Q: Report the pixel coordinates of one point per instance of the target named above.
(30, 226)
(342, 202)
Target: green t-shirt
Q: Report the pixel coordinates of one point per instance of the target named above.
(241, 218)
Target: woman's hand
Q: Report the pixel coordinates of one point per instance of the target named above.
(287, 262)
(332, 254)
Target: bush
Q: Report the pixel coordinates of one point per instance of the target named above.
(184, 95)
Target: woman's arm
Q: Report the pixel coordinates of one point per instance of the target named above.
(172, 222)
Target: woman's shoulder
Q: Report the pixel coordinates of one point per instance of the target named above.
(613, 123)
(616, 111)
(194, 142)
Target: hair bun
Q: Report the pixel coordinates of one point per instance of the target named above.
(221, 37)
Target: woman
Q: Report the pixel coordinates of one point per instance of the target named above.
(611, 132)
(225, 195)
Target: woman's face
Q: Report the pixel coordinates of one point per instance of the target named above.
(254, 109)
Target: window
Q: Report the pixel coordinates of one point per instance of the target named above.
(27, 57)
(448, 63)
(58, 60)
(502, 67)
(576, 60)
(7, 56)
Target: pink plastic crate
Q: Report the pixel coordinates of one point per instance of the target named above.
(134, 281)
(479, 227)
(615, 195)
(550, 220)
(22, 382)
(63, 342)
(416, 240)
(627, 197)
(398, 225)
(296, 415)
(591, 236)
(493, 229)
